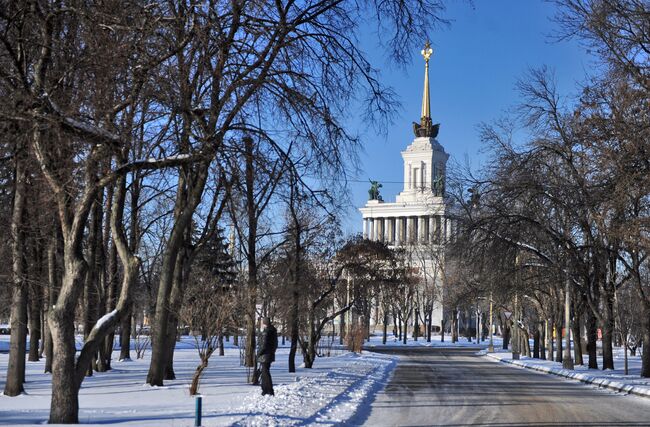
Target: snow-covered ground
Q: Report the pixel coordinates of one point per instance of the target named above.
(612, 379)
(391, 341)
(339, 389)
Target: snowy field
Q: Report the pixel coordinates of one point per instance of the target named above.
(339, 389)
(611, 379)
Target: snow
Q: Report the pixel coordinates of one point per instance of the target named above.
(339, 389)
(338, 396)
(611, 379)
(376, 342)
(105, 318)
(168, 158)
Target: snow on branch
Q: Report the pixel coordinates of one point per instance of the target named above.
(105, 318)
(79, 126)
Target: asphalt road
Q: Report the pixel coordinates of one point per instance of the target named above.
(454, 387)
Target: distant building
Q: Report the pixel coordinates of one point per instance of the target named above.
(416, 221)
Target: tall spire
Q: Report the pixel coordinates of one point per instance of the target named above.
(426, 128)
(426, 109)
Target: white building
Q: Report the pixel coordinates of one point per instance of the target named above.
(416, 220)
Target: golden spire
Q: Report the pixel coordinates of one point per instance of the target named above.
(426, 53)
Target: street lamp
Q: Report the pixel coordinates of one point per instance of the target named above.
(491, 346)
(567, 360)
(515, 332)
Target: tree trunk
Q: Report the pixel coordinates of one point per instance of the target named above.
(416, 325)
(536, 345)
(608, 351)
(558, 342)
(608, 332)
(35, 302)
(90, 297)
(506, 336)
(17, 345)
(645, 355)
(384, 335)
(125, 336)
(592, 337)
(577, 347)
(64, 407)
(542, 340)
(194, 386)
(294, 335)
(52, 292)
(185, 205)
(170, 339)
(454, 326)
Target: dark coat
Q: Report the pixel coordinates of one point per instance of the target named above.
(268, 345)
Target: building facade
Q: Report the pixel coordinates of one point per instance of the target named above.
(416, 221)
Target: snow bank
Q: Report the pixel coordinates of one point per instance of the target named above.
(614, 380)
(339, 396)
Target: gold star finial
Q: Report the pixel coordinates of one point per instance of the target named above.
(427, 51)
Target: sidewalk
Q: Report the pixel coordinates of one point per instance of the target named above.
(614, 380)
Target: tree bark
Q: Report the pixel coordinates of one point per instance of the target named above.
(196, 378)
(35, 302)
(542, 339)
(17, 345)
(608, 331)
(125, 336)
(592, 337)
(577, 347)
(558, 342)
(645, 355)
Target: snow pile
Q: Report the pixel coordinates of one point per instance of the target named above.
(338, 396)
(614, 380)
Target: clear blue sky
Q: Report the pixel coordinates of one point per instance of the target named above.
(475, 66)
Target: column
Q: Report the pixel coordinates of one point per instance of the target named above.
(381, 229)
(443, 229)
(422, 229)
(398, 230)
(389, 230)
(410, 229)
(365, 228)
(432, 229)
(371, 233)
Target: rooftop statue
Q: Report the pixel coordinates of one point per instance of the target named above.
(425, 128)
(439, 186)
(373, 193)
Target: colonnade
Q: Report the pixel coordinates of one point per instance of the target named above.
(407, 229)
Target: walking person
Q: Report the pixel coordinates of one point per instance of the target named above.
(266, 355)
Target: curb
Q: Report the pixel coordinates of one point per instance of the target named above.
(641, 391)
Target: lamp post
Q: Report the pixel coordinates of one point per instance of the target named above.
(515, 332)
(567, 360)
(515, 320)
(491, 346)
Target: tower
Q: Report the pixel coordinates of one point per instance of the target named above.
(416, 220)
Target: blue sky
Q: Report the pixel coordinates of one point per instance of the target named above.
(476, 63)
